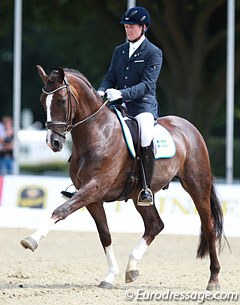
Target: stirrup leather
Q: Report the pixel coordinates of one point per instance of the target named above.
(144, 203)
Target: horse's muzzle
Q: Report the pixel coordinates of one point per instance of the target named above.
(54, 141)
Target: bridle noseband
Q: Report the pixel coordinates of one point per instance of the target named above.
(70, 115)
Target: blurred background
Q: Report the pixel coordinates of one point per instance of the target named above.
(82, 35)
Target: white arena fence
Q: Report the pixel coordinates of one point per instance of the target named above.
(26, 201)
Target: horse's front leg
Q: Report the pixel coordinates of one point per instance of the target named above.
(82, 198)
(97, 212)
(153, 226)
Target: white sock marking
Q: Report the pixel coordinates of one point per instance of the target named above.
(43, 230)
(140, 249)
(136, 254)
(112, 264)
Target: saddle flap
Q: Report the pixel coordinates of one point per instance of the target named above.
(126, 132)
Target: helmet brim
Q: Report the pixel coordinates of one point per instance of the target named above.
(128, 22)
(131, 22)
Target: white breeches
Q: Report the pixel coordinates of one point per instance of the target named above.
(146, 126)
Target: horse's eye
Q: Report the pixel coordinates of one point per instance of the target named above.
(62, 102)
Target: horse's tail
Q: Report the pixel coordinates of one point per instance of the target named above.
(217, 215)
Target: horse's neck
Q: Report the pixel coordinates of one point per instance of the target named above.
(96, 130)
(90, 118)
(87, 100)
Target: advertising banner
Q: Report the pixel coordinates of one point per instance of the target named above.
(26, 201)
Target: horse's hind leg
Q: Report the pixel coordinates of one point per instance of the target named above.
(212, 228)
(97, 212)
(153, 226)
(203, 194)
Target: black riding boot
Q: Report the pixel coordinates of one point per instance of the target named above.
(145, 196)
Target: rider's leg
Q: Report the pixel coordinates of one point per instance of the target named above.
(146, 125)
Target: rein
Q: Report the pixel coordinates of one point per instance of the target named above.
(68, 125)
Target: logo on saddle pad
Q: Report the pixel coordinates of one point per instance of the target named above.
(164, 146)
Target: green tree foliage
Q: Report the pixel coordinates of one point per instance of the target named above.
(193, 37)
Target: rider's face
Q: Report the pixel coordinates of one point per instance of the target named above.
(133, 31)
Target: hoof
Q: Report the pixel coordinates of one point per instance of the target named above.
(131, 276)
(213, 286)
(29, 243)
(105, 285)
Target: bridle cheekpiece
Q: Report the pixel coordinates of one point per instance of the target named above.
(70, 115)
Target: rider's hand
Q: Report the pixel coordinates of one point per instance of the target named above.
(113, 94)
(101, 93)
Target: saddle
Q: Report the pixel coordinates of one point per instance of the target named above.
(163, 144)
(130, 130)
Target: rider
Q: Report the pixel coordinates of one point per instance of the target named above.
(132, 77)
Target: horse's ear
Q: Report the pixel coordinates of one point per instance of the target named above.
(42, 74)
(61, 74)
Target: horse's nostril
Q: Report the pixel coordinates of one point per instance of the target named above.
(56, 143)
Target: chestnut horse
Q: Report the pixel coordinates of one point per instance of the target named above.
(101, 163)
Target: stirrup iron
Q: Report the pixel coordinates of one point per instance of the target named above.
(145, 203)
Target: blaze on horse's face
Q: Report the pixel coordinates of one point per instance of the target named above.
(55, 106)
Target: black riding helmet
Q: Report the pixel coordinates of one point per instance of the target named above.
(136, 15)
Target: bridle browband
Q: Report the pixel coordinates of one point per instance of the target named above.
(70, 115)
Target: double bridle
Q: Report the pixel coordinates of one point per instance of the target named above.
(70, 115)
